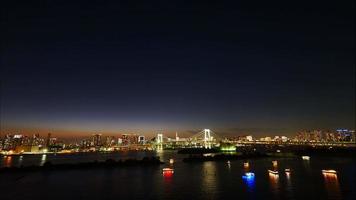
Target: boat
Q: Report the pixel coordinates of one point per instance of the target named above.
(228, 162)
(275, 163)
(249, 175)
(171, 161)
(273, 172)
(287, 170)
(328, 171)
(246, 164)
(305, 157)
(167, 171)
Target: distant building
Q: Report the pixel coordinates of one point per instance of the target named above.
(48, 140)
(128, 139)
(27, 149)
(249, 138)
(266, 139)
(284, 138)
(119, 141)
(96, 140)
(110, 141)
(141, 139)
(345, 135)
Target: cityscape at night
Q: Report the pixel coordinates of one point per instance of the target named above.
(35, 144)
(177, 100)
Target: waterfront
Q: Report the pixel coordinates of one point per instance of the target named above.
(202, 180)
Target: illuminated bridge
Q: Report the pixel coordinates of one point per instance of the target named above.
(204, 139)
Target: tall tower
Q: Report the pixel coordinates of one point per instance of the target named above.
(96, 140)
(159, 139)
(207, 138)
(48, 140)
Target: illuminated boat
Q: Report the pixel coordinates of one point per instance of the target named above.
(171, 161)
(328, 171)
(305, 157)
(228, 162)
(167, 172)
(273, 172)
(246, 164)
(275, 163)
(248, 175)
(287, 170)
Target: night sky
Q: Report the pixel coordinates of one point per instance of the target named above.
(235, 67)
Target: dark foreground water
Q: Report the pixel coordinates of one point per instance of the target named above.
(206, 180)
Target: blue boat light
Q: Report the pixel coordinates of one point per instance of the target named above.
(249, 175)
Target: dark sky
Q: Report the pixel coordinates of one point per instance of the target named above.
(232, 66)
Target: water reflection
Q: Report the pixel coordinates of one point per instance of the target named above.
(8, 161)
(160, 152)
(43, 159)
(332, 185)
(289, 187)
(288, 176)
(20, 160)
(274, 183)
(306, 164)
(209, 177)
(229, 165)
(249, 179)
(168, 175)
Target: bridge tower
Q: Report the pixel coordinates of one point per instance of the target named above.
(159, 138)
(159, 142)
(207, 138)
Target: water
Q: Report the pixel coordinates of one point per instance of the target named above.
(206, 180)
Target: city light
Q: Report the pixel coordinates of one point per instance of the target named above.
(230, 148)
(20, 144)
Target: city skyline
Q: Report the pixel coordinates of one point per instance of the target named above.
(152, 134)
(12, 144)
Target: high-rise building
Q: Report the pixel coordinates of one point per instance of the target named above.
(48, 140)
(141, 139)
(128, 139)
(96, 140)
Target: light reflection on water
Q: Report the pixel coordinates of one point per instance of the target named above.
(43, 159)
(212, 180)
(274, 183)
(306, 164)
(289, 186)
(7, 161)
(250, 182)
(332, 185)
(20, 160)
(209, 178)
